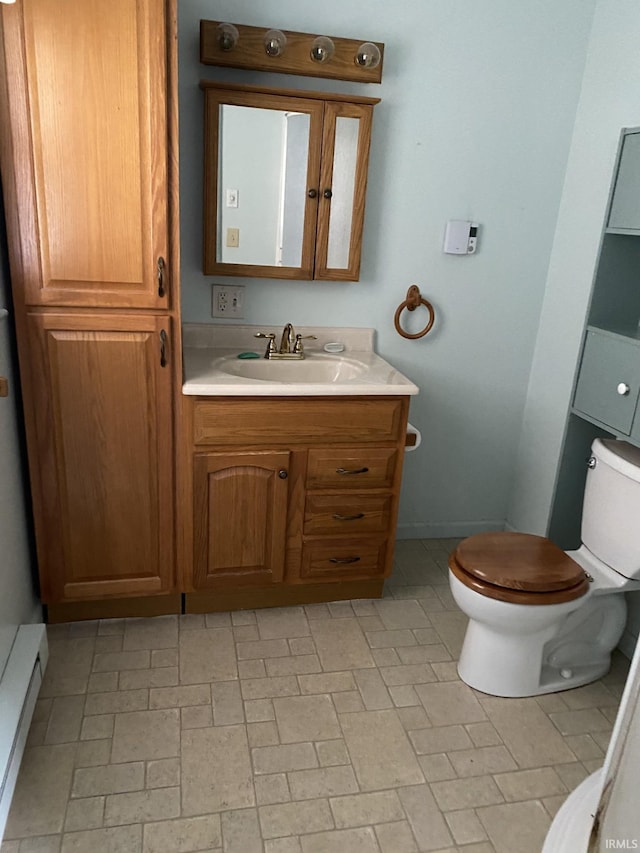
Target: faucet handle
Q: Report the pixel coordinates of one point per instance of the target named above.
(271, 346)
(299, 338)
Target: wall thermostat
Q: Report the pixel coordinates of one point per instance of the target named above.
(460, 237)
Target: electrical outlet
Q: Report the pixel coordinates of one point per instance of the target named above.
(228, 301)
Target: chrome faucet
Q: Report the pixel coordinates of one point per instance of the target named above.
(290, 343)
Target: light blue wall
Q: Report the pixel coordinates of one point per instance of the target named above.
(478, 105)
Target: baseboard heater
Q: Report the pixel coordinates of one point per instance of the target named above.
(19, 688)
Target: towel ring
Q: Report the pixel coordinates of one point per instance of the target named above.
(414, 300)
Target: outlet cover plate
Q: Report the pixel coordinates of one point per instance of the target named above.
(228, 301)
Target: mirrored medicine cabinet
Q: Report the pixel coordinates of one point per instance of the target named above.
(284, 182)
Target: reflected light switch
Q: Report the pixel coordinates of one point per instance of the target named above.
(232, 198)
(233, 238)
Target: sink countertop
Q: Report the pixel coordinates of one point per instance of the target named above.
(206, 344)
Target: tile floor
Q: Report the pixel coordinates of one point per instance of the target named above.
(333, 728)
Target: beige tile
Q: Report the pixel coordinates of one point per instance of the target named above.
(241, 832)
(360, 840)
(516, 826)
(226, 749)
(282, 622)
(108, 779)
(401, 614)
(251, 669)
(227, 703)
(445, 670)
(117, 702)
(441, 739)
(433, 653)
(448, 703)
(207, 655)
(281, 759)
(283, 845)
(245, 633)
(426, 636)
(385, 657)
(371, 623)
(40, 797)
(243, 617)
(84, 814)
(98, 727)
(40, 844)
(341, 645)
(465, 827)
(428, 825)
(348, 701)
(115, 661)
(293, 665)
(573, 774)
(267, 688)
(93, 753)
(179, 697)
(526, 731)
(340, 609)
(102, 682)
(553, 804)
(158, 632)
(196, 716)
(259, 710)
(413, 718)
(146, 735)
(262, 734)
(470, 793)
(396, 837)
(272, 788)
(163, 773)
(580, 722)
(375, 695)
(482, 760)
(316, 611)
(310, 816)
(451, 627)
(65, 719)
(437, 767)
(530, 784)
(322, 782)
(594, 695)
(164, 657)
(365, 809)
(108, 644)
(217, 620)
(483, 734)
(332, 753)
(390, 639)
(330, 682)
(380, 751)
(408, 674)
(163, 676)
(262, 649)
(182, 835)
(68, 668)
(118, 839)
(192, 621)
(302, 646)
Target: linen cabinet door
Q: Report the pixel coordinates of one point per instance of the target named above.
(103, 476)
(87, 118)
(240, 517)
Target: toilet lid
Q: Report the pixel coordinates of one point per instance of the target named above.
(518, 561)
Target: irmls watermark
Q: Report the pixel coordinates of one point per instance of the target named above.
(621, 844)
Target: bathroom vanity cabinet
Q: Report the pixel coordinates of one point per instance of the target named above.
(285, 179)
(88, 165)
(292, 499)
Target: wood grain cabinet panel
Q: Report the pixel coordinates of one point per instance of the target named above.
(351, 468)
(329, 560)
(348, 515)
(87, 103)
(240, 517)
(104, 468)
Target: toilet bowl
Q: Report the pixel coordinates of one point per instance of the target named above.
(541, 619)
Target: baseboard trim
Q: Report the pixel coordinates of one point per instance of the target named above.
(446, 529)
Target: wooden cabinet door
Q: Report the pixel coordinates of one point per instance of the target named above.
(240, 517)
(103, 474)
(86, 165)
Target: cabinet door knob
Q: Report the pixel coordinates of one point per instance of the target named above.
(623, 389)
(327, 193)
(283, 474)
(312, 193)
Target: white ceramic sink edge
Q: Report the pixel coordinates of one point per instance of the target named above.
(219, 372)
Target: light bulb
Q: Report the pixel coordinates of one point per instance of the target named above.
(275, 42)
(368, 55)
(322, 49)
(227, 36)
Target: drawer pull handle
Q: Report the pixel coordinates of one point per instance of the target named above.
(339, 517)
(351, 470)
(344, 559)
(623, 389)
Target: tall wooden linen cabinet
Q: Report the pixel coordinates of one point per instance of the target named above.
(88, 109)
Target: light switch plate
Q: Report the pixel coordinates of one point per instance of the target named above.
(228, 301)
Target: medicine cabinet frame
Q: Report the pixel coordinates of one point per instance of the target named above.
(318, 233)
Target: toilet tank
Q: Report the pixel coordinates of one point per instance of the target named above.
(611, 509)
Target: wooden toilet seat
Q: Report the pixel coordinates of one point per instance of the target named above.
(519, 568)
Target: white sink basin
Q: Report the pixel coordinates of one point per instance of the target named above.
(316, 368)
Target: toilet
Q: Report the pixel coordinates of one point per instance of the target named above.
(542, 619)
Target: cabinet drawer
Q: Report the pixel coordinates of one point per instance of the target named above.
(607, 363)
(624, 214)
(357, 468)
(297, 421)
(350, 514)
(330, 559)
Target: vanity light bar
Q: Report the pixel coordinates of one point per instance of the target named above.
(288, 52)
